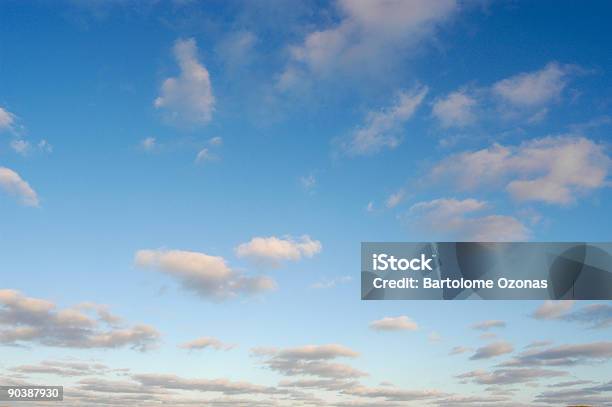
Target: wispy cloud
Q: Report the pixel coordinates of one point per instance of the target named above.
(33, 320)
(383, 129)
(13, 184)
(400, 323)
(492, 350)
(207, 342)
(453, 218)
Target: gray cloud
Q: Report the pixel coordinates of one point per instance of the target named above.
(492, 350)
(509, 376)
(33, 320)
(312, 360)
(596, 315)
(486, 325)
(224, 386)
(63, 368)
(553, 309)
(565, 355)
(394, 394)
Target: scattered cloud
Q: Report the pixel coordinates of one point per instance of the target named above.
(383, 128)
(331, 283)
(310, 360)
(553, 170)
(31, 320)
(509, 376)
(564, 355)
(400, 323)
(395, 199)
(538, 344)
(533, 89)
(455, 109)
(148, 143)
(272, 251)
(237, 49)
(204, 155)
(24, 147)
(69, 368)
(492, 350)
(491, 323)
(458, 350)
(308, 182)
(14, 185)
(21, 146)
(208, 276)
(187, 98)
(454, 218)
(7, 119)
(216, 141)
(224, 386)
(366, 32)
(553, 309)
(207, 342)
(596, 315)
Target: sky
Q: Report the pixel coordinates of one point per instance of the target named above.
(184, 187)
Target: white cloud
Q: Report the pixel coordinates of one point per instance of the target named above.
(382, 129)
(331, 283)
(308, 182)
(44, 146)
(273, 250)
(551, 169)
(148, 144)
(208, 276)
(215, 141)
(204, 155)
(187, 98)
(455, 109)
(400, 323)
(12, 183)
(7, 119)
(553, 309)
(395, 199)
(368, 31)
(24, 147)
(452, 217)
(532, 89)
(21, 146)
(207, 342)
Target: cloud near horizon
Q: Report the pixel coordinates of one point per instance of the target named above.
(32, 320)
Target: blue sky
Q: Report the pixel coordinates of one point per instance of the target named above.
(205, 173)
